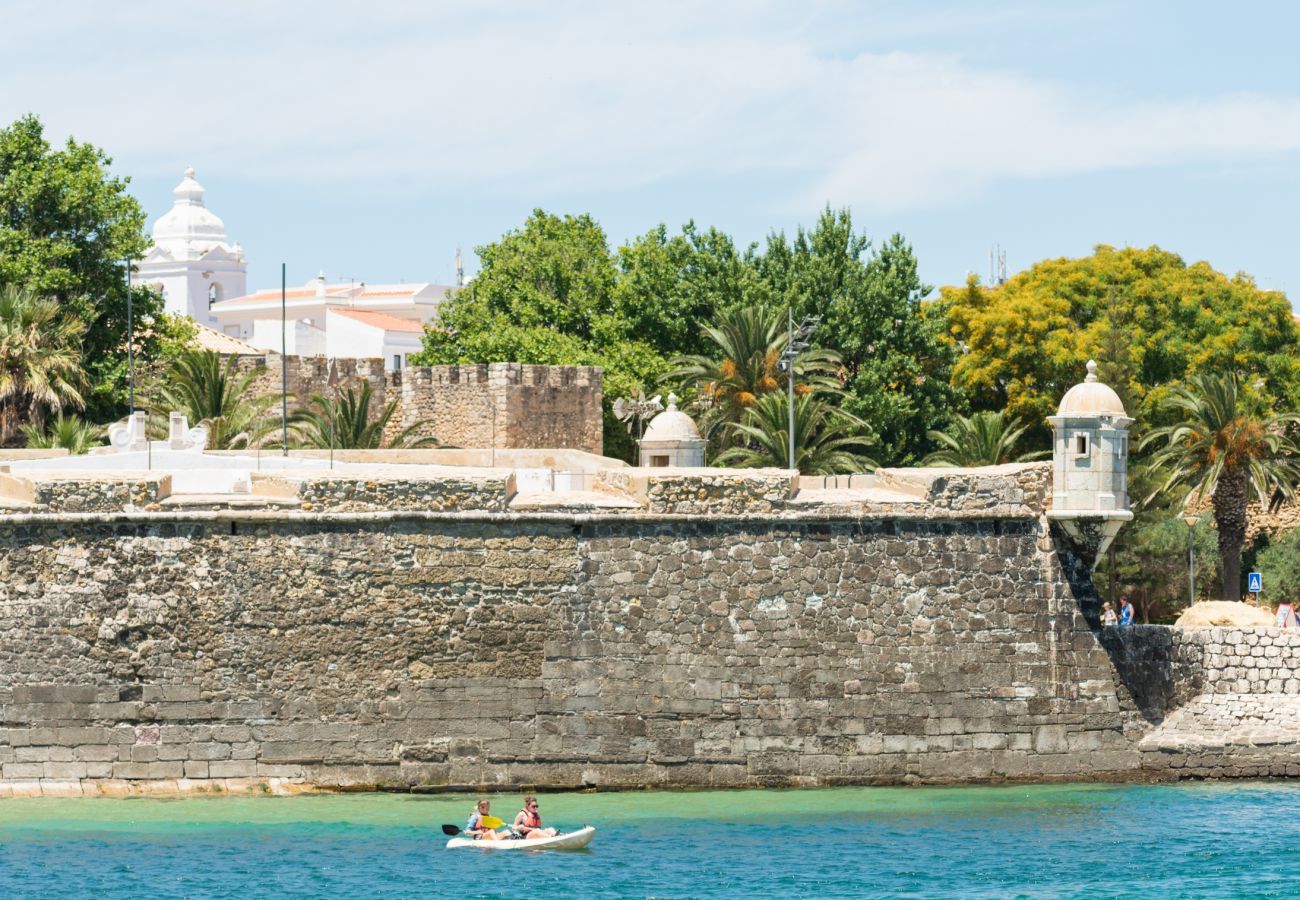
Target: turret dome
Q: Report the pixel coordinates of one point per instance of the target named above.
(1091, 398)
(671, 425)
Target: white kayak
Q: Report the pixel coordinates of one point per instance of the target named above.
(573, 840)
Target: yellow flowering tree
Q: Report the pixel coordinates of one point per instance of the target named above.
(1149, 318)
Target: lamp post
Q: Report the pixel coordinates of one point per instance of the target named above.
(795, 343)
(130, 343)
(1191, 521)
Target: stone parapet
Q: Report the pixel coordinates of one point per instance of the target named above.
(343, 493)
(102, 493)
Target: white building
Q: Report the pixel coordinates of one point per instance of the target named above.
(337, 320)
(191, 262)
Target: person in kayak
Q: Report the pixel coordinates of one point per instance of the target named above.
(476, 827)
(529, 821)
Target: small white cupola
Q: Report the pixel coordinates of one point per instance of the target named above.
(672, 439)
(1090, 463)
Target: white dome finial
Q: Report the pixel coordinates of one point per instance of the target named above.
(189, 171)
(1092, 373)
(672, 401)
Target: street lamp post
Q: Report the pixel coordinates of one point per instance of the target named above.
(1191, 521)
(795, 343)
(130, 346)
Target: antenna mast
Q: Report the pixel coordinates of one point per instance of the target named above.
(460, 270)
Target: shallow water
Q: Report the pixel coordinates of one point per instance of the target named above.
(1237, 840)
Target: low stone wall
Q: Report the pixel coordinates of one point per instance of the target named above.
(394, 493)
(101, 494)
(1224, 702)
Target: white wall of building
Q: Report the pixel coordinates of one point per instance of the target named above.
(300, 338)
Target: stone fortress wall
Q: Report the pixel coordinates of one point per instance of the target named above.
(722, 629)
(476, 405)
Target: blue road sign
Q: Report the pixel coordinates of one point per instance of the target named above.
(1254, 583)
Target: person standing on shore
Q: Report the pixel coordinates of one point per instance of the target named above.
(1125, 612)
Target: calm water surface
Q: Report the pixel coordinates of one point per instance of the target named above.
(1237, 840)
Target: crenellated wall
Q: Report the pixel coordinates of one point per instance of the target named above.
(504, 405)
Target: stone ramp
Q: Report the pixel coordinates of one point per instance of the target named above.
(1228, 735)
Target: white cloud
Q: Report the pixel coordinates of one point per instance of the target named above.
(595, 96)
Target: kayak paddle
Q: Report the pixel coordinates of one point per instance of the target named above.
(450, 830)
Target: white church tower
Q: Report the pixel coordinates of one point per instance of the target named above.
(190, 261)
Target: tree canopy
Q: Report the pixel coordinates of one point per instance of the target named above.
(1147, 315)
(553, 292)
(67, 228)
(896, 365)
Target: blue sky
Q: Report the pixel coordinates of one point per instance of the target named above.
(371, 140)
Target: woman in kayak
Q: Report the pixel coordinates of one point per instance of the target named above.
(476, 827)
(529, 821)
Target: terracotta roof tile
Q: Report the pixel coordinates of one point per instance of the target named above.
(379, 320)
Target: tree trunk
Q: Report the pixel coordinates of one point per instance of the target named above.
(1230, 518)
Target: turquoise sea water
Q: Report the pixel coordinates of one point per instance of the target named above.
(1223, 840)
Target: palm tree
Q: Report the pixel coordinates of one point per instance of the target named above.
(344, 422)
(40, 359)
(982, 439)
(748, 342)
(823, 436)
(213, 392)
(71, 433)
(1229, 445)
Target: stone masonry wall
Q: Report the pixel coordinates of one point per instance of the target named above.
(490, 649)
(506, 404)
(1224, 702)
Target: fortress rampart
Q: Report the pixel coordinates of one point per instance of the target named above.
(501, 405)
(713, 628)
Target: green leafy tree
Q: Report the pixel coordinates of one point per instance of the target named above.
(1279, 563)
(896, 366)
(827, 440)
(1150, 563)
(668, 285)
(40, 361)
(212, 391)
(67, 228)
(1226, 443)
(1023, 343)
(71, 433)
(345, 422)
(544, 296)
(981, 439)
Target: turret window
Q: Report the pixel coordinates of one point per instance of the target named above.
(1080, 445)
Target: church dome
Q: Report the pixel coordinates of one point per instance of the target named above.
(188, 229)
(1091, 398)
(671, 425)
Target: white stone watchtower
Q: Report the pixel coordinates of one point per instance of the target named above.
(672, 439)
(1090, 464)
